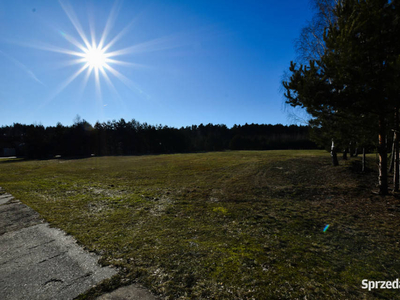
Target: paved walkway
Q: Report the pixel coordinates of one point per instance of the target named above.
(40, 262)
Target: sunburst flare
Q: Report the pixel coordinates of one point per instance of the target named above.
(94, 57)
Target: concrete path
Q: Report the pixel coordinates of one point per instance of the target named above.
(39, 262)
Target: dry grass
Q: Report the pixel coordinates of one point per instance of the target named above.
(228, 225)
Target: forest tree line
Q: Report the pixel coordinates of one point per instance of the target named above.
(132, 138)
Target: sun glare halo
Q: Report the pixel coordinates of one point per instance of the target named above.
(95, 57)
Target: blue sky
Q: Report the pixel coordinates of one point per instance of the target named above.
(180, 62)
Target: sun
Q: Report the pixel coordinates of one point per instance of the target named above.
(98, 57)
(95, 57)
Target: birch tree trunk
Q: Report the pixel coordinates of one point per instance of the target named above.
(334, 155)
(382, 177)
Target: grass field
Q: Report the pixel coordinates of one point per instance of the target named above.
(226, 225)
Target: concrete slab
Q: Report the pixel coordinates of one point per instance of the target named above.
(40, 262)
(14, 216)
(5, 195)
(5, 198)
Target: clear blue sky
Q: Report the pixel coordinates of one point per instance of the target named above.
(181, 62)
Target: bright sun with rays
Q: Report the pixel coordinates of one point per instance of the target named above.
(95, 57)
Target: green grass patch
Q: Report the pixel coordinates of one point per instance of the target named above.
(223, 225)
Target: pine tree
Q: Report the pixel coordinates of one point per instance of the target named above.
(357, 74)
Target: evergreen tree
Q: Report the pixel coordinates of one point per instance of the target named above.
(356, 75)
